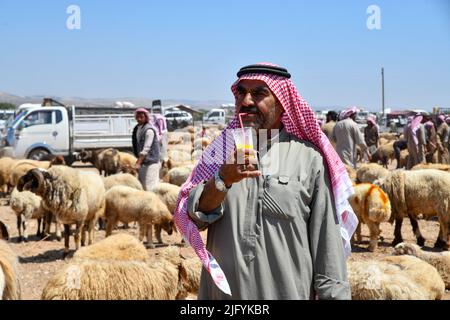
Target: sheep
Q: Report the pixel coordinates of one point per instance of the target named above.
(119, 268)
(439, 260)
(193, 266)
(122, 179)
(395, 278)
(117, 280)
(124, 247)
(372, 206)
(420, 192)
(389, 136)
(120, 247)
(9, 277)
(105, 160)
(384, 153)
(126, 204)
(26, 205)
(178, 176)
(22, 167)
(54, 160)
(168, 193)
(127, 163)
(4, 234)
(351, 172)
(437, 166)
(370, 172)
(6, 166)
(74, 197)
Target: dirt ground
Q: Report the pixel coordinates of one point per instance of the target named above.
(39, 260)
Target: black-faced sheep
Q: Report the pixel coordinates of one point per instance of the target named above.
(126, 204)
(74, 197)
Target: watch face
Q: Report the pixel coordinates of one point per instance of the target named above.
(220, 185)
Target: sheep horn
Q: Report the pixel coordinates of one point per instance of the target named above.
(32, 181)
(3, 231)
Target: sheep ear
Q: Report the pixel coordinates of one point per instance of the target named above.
(378, 182)
(3, 231)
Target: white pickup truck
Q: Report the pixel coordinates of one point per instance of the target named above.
(59, 130)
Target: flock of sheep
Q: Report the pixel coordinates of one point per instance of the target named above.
(119, 266)
(383, 195)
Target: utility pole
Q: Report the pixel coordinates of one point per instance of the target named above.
(382, 91)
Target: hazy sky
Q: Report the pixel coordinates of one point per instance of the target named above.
(193, 49)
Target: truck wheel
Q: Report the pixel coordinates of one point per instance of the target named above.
(37, 154)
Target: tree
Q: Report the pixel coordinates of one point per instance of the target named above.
(6, 106)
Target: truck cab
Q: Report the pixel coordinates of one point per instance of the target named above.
(38, 131)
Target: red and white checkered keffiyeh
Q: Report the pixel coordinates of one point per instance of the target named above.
(299, 120)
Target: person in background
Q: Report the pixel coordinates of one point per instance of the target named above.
(147, 149)
(442, 140)
(416, 141)
(328, 127)
(371, 135)
(431, 140)
(347, 136)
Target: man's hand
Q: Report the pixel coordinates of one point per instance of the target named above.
(243, 166)
(138, 164)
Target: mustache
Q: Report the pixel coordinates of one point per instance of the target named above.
(248, 110)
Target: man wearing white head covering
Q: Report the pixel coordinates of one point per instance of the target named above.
(371, 135)
(416, 140)
(347, 136)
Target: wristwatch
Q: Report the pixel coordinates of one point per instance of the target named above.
(220, 184)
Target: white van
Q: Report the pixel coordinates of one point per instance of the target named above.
(215, 116)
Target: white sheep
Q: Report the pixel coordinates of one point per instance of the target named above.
(9, 277)
(119, 268)
(26, 205)
(439, 260)
(117, 280)
(370, 172)
(178, 175)
(394, 278)
(120, 247)
(372, 206)
(421, 192)
(122, 179)
(126, 204)
(168, 193)
(74, 197)
(6, 166)
(127, 163)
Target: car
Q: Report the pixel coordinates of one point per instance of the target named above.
(215, 116)
(178, 115)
